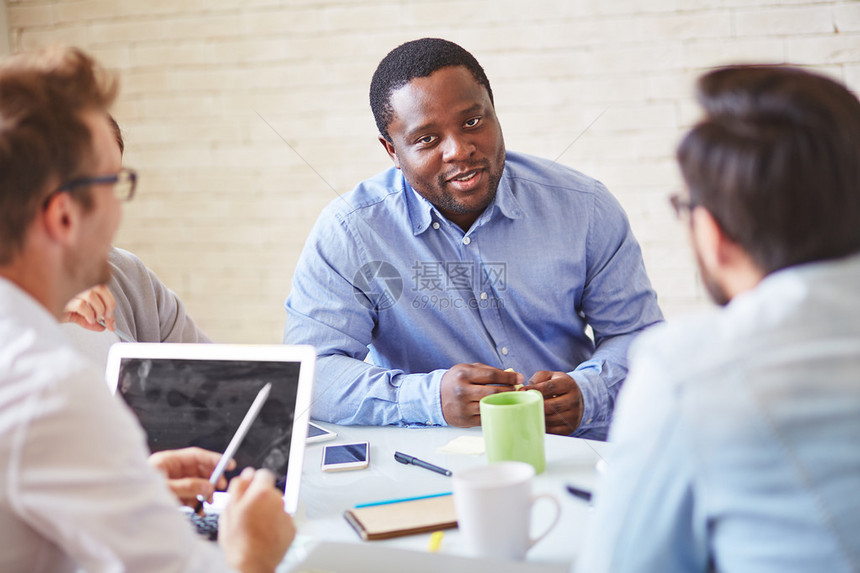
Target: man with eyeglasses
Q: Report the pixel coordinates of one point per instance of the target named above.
(75, 486)
(736, 434)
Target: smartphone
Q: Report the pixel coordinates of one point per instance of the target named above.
(318, 434)
(339, 457)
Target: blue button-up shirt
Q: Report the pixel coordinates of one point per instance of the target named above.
(737, 437)
(392, 294)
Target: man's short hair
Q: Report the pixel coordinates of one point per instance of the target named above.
(43, 138)
(416, 59)
(117, 133)
(775, 161)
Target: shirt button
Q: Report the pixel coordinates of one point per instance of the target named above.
(483, 296)
(435, 225)
(505, 350)
(466, 240)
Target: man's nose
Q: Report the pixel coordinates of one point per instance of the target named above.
(457, 148)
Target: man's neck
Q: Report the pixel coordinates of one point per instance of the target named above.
(36, 282)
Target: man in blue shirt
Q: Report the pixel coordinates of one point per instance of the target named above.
(422, 286)
(736, 435)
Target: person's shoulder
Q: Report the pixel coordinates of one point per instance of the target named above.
(378, 199)
(367, 194)
(125, 261)
(684, 349)
(129, 274)
(30, 339)
(123, 257)
(525, 168)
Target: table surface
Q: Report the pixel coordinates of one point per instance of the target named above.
(325, 496)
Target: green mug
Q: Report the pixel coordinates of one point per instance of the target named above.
(514, 428)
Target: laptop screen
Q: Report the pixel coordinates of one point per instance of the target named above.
(197, 395)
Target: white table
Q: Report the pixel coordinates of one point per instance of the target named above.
(326, 495)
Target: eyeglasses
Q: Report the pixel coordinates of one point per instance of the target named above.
(124, 183)
(682, 206)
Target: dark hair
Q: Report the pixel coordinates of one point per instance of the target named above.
(117, 133)
(416, 59)
(43, 137)
(775, 162)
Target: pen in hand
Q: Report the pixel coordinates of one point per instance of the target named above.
(407, 459)
(122, 335)
(236, 441)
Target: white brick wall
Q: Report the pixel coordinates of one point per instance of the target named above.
(4, 30)
(225, 204)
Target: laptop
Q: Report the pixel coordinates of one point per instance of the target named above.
(197, 395)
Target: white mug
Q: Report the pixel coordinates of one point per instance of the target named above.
(494, 507)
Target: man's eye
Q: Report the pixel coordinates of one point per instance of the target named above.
(427, 139)
(473, 122)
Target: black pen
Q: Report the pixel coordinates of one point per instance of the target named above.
(580, 493)
(407, 459)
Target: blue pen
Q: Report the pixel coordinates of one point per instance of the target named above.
(387, 501)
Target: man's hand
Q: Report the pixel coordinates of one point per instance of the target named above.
(562, 401)
(254, 531)
(463, 386)
(91, 306)
(187, 472)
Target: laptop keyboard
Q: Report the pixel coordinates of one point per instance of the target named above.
(206, 525)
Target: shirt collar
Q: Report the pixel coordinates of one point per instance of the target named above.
(422, 212)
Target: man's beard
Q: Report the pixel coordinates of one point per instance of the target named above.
(715, 291)
(86, 272)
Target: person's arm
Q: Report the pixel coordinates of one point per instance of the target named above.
(78, 475)
(618, 303)
(325, 310)
(648, 515)
(174, 322)
(147, 309)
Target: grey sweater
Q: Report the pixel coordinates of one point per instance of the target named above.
(145, 308)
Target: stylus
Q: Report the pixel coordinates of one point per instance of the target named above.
(236, 441)
(122, 335)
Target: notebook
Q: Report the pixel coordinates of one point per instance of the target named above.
(197, 394)
(388, 520)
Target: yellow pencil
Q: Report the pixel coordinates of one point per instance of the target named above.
(435, 541)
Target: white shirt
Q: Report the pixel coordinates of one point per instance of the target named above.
(75, 486)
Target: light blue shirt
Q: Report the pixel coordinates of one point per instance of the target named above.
(384, 273)
(737, 437)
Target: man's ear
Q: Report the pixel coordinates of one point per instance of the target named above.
(389, 149)
(61, 217)
(715, 248)
(708, 237)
